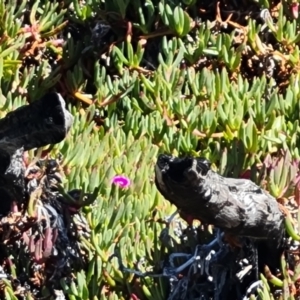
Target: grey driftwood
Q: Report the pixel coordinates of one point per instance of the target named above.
(44, 121)
(237, 206)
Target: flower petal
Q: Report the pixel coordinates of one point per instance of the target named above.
(121, 181)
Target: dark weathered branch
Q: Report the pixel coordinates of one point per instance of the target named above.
(45, 121)
(238, 206)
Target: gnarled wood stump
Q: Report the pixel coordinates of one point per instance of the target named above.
(237, 206)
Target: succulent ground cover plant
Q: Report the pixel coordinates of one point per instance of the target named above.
(211, 79)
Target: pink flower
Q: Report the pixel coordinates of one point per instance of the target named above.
(121, 181)
(295, 10)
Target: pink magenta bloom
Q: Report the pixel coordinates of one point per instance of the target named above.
(295, 10)
(121, 181)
